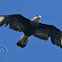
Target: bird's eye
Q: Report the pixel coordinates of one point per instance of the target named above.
(38, 16)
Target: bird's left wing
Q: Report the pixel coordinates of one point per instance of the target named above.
(44, 31)
(17, 22)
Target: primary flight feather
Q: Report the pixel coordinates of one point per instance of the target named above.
(32, 27)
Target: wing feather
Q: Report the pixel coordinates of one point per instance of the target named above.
(44, 31)
(17, 22)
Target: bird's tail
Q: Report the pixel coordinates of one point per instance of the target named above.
(23, 41)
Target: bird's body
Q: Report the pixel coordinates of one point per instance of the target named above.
(32, 27)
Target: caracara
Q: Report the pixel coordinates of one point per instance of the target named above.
(32, 27)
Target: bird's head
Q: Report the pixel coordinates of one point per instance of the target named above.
(38, 16)
(36, 19)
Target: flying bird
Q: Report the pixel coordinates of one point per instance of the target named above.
(30, 27)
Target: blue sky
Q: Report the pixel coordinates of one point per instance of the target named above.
(37, 50)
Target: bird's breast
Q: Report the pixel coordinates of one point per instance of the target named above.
(29, 29)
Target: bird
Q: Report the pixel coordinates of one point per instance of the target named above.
(30, 27)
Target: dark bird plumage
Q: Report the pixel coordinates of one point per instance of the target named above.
(32, 27)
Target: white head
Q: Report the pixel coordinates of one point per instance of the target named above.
(37, 17)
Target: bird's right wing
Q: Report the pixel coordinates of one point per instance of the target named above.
(16, 22)
(45, 31)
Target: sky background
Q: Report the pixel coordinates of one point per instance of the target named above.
(37, 50)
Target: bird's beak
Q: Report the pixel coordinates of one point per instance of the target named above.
(39, 16)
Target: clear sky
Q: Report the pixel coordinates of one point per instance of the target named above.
(37, 50)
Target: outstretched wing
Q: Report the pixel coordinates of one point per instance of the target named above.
(44, 31)
(17, 22)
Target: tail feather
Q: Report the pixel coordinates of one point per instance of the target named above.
(22, 43)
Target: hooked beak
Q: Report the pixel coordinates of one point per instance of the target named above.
(38, 16)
